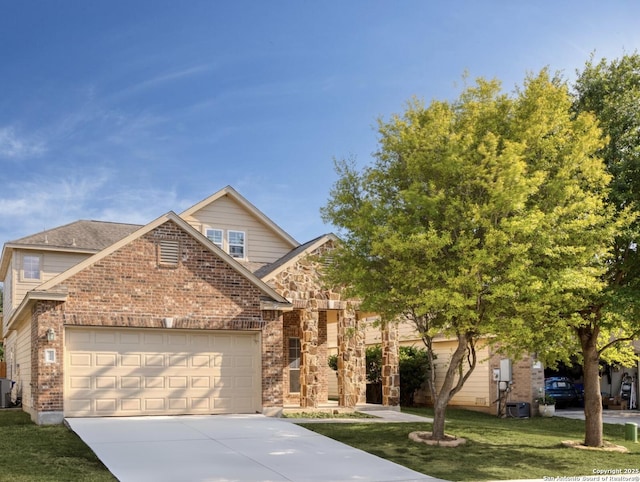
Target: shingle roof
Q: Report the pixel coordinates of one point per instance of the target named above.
(85, 235)
(269, 268)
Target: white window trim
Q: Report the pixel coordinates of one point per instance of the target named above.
(22, 271)
(294, 365)
(221, 231)
(50, 355)
(244, 245)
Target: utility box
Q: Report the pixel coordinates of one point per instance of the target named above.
(505, 370)
(5, 392)
(518, 409)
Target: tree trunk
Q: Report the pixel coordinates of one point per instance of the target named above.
(439, 415)
(449, 388)
(592, 396)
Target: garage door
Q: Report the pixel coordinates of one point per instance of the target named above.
(160, 372)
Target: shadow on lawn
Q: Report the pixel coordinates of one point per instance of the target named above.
(495, 449)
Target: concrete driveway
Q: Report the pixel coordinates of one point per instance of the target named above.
(227, 448)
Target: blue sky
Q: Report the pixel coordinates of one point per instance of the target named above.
(123, 110)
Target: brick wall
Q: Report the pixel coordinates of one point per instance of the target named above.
(291, 322)
(130, 288)
(272, 363)
(47, 378)
(527, 377)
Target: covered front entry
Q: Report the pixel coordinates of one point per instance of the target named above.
(123, 371)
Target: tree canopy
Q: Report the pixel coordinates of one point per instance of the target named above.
(483, 216)
(611, 91)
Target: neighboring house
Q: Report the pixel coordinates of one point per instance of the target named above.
(526, 377)
(481, 391)
(215, 310)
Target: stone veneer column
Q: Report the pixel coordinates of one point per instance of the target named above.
(309, 377)
(390, 365)
(352, 383)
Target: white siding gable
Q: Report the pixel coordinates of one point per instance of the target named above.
(262, 244)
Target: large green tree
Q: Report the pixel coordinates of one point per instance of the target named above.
(611, 91)
(482, 217)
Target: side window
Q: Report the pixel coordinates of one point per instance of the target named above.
(215, 236)
(31, 267)
(294, 365)
(236, 241)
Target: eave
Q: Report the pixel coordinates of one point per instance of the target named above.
(32, 296)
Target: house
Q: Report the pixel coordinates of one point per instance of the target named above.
(215, 310)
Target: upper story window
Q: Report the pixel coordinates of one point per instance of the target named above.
(215, 236)
(31, 267)
(236, 241)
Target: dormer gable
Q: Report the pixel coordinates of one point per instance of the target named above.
(239, 228)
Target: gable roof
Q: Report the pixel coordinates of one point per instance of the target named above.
(236, 196)
(170, 216)
(51, 290)
(292, 256)
(78, 237)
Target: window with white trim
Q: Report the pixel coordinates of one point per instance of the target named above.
(50, 355)
(294, 365)
(236, 242)
(31, 266)
(215, 236)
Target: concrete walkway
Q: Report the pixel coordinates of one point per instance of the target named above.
(608, 416)
(229, 448)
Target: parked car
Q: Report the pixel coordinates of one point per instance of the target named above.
(563, 390)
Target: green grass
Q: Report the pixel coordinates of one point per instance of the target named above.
(33, 453)
(496, 449)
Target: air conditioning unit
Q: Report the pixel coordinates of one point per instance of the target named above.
(5, 392)
(518, 409)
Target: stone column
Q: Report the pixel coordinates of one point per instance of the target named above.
(390, 365)
(352, 382)
(309, 375)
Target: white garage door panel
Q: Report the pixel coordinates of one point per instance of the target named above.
(161, 372)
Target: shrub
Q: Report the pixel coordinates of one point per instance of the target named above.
(414, 368)
(333, 362)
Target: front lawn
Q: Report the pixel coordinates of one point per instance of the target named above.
(33, 453)
(496, 449)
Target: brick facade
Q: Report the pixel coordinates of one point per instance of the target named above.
(47, 377)
(291, 321)
(527, 382)
(131, 288)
